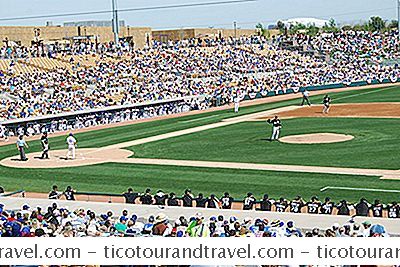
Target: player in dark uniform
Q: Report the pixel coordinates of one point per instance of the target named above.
(146, 198)
(393, 210)
(45, 146)
(281, 205)
(201, 201)
(212, 202)
(160, 198)
(296, 205)
(187, 198)
(266, 203)
(172, 200)
(343, 208)
(226, 201)
(314, 205)
(249, 201)
(327, 104)
(362, 207)
(377, 208)
(327, 206)
(69, 193)
(130, 196)
(54, 194)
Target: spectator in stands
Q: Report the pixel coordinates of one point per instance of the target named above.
(161, 226)
(367, 228)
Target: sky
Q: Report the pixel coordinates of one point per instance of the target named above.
(247, 15)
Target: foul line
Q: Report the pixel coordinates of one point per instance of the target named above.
(359, 189)
(365, 93)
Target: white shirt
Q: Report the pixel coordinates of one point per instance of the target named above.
(71, 141)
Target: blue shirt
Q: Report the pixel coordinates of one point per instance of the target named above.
(20, 143)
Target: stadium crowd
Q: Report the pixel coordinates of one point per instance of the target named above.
(56, 221)
(75, 121)
(219, 68)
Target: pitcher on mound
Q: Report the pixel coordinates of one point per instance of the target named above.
(71, 142)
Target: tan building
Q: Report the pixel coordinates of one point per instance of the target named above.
(181, 34)
(24, 35)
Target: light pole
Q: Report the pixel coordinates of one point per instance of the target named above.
(235, 28)
(115, 23)
(398, 17)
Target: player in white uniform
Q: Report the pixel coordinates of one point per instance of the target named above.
(71, 142)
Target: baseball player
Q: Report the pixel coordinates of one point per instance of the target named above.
(306, 98)
(327, 104)
(276, 127)
(45, 146)
(21, 145)
(71, 142)
(237, 104)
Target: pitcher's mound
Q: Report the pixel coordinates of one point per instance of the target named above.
(316, 138)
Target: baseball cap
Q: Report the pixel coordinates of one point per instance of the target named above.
(366, 223)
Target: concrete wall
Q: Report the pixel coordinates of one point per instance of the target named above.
(180, 34)
(25, 34)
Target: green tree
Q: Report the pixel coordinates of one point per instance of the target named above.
(376, 24)
(281, 26)
(330, 26)
(312, 30)
(261, 29)
(296, 28)
(392, 24)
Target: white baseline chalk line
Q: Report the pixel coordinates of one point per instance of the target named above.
(359, 189)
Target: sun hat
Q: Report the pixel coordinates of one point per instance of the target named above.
(161, 217)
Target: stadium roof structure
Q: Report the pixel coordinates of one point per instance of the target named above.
(306, 21)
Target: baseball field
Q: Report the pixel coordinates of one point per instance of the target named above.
(218, 151)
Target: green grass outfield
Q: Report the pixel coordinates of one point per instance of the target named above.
(114, 178)
(375, 146)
